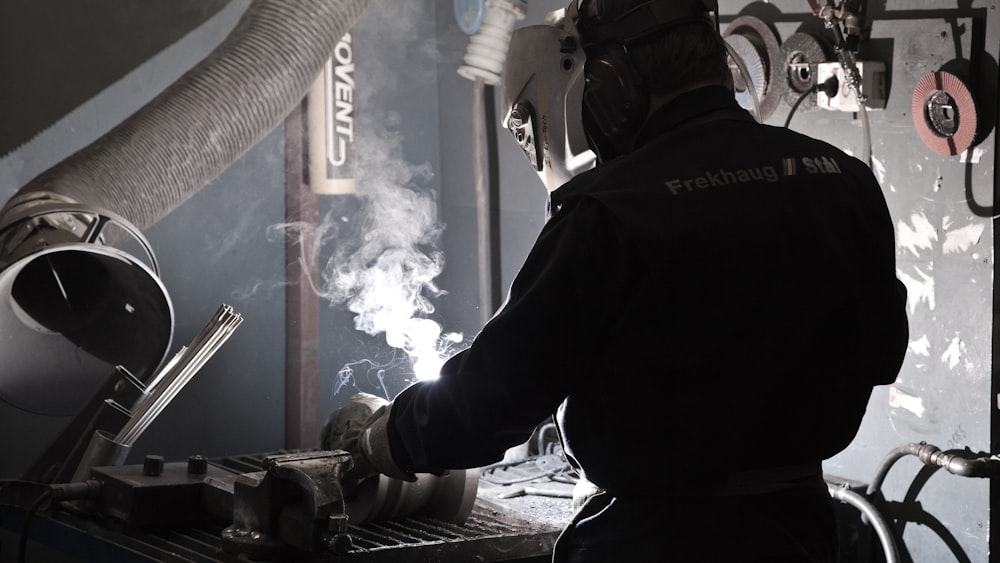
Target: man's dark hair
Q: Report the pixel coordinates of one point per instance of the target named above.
(681, 55)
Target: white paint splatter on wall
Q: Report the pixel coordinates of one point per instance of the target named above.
(961, 239)
(921, 346)
(879, 168)
(916, 236)
(953, 354)
(903, 400)
(918, 290)
(974, 157)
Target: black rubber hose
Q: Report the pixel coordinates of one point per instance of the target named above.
(887, 462)
(964, 466)
(878, 522)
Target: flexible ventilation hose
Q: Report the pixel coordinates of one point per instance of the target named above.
(487, 49)
(185, 137)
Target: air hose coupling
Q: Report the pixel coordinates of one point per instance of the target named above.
(963, 464)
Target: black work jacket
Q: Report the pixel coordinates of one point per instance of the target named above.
(722, 299)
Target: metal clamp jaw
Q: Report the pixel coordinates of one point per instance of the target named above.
(295, 504)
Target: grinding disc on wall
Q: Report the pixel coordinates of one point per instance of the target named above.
(754, 67)
(768, 48)
(800, 54)
(944, 113)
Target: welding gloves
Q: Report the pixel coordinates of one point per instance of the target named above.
(361, 429)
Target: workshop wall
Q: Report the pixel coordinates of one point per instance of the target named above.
(225, 244)
(942, 206)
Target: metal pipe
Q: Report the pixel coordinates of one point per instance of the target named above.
(103, 450)
(981, 466)
(482, 202)
(881, 526)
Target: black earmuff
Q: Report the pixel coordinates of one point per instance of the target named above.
(615, 96)
(614, 93)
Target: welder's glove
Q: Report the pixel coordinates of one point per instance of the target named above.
(361, 429)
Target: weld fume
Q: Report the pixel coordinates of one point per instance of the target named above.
(379, 259)
(384, 255)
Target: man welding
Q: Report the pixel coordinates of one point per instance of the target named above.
(706, 310)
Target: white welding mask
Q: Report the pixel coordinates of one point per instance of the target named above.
(543, 95)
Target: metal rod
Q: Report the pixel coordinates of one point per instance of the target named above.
(118, 406)
(302, 308)
(178, 372)
(131, 378)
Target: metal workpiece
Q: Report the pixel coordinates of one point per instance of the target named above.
(448, 498)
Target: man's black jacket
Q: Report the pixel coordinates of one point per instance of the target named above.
(721, 300)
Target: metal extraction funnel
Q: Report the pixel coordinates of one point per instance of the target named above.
(72, 307)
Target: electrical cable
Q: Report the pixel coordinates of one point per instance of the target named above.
(486, 472)
(28, 516)
(21, 482)
(798, 101)
(13, 492)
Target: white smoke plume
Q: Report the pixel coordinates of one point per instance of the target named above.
(385, 273)
(380, 257)
(383, 257)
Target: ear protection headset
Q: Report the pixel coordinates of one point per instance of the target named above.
(615, 97)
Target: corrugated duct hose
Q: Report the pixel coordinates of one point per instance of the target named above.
(167, 151)
(73, 304)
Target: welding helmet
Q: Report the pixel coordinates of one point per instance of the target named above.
(572, 96)
(542, 95)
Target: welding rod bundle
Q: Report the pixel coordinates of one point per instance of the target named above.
(106, 448)
(165, 385)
